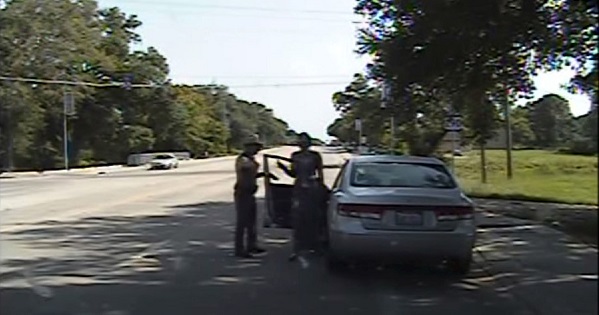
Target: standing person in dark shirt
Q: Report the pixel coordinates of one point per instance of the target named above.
(246, 186)
(307, 169)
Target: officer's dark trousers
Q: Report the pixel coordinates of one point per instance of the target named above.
(305, 220)
(245, 225)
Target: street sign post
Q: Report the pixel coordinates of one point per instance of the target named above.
(128, 81)
(69, 104)
(386, 95)
(453, 124)
(359, 129)
(386, 102)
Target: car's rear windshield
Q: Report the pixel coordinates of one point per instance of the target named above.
(393, 174)
(163, 157)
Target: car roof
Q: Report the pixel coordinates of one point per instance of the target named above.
(395, 159)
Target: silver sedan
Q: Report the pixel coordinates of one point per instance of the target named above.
(399, 207)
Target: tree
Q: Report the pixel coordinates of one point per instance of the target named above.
(465, 52)
(360, 100)
(551, 121)
(522, 134)
(94, 45)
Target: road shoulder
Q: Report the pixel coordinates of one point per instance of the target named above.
(545, 269)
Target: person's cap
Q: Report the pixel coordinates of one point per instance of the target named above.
(253, 140)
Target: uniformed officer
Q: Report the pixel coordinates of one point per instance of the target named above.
(307, 169)
(246, 168)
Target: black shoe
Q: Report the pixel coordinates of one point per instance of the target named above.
(244, 255)
(257, 250)
(293, 257)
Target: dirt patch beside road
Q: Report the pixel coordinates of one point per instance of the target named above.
(579, 221)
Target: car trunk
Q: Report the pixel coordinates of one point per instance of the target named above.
(409, 209)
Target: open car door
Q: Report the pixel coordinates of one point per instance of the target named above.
(278, 195)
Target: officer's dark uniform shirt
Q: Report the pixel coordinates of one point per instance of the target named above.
(246, 169)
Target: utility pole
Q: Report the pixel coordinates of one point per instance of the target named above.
(68, 110)
(508, 135)
(392, 130)
(483, 162)
(10, 139)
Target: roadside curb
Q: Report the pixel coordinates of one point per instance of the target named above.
(579, 222)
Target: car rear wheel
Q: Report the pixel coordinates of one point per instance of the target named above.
(460, 265)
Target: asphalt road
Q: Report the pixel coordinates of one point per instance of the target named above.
(160, 242)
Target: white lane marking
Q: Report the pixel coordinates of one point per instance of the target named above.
(35, 285)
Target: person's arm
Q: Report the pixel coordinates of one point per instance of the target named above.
(319, 167)
(271, 175)
(289, 171)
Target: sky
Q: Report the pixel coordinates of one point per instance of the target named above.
(288, 55)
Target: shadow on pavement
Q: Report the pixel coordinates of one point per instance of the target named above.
(180, 263)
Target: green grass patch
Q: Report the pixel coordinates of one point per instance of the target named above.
(537, 176)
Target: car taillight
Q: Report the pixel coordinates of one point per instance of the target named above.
(455, 213)
(360, 211)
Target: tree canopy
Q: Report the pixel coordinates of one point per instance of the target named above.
(92, 44)
(470, 56)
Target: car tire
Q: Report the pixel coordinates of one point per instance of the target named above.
(460, 265)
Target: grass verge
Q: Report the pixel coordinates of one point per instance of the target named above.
(541, 176)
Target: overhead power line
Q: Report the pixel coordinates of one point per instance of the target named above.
(234, 7)
(182, 8)
(134, 85)
(259, 77)
(286, 84)
(73, 83)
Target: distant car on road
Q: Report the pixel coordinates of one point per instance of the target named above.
(164, 161)
(391, 208)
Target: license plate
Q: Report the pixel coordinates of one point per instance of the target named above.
(408, 218)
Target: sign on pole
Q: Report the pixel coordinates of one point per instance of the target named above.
(358, 124)
(128, 81)
(453, 123)
(69, 104)
(386, 95)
